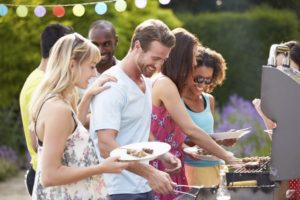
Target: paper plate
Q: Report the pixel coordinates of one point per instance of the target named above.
(159, 148)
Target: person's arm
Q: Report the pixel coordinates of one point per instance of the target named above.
(96, 88)
(171, 99)
(57, 125)
(268, 122)
(159, 181)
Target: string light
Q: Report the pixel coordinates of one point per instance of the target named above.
(140, 3)
(64, 5)
(120, 5)
(78, 8)
(22, 11)
(101, 8)
(40, 11)
(3, 9)
(164, 2)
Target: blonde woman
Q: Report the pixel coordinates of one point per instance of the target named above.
(68, 167)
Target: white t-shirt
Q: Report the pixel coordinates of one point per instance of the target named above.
(125, 108)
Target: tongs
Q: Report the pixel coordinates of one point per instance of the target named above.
(188, 186)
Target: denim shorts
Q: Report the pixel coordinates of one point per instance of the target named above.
(140, 196)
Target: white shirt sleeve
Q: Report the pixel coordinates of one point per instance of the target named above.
(106, 108)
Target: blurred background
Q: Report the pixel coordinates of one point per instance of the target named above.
(241, 30)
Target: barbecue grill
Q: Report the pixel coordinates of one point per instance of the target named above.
(280, 97)
(260, 175)
(265, 189)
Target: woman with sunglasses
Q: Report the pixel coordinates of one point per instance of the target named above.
(170, 121)
(209, 72)
(68, 167)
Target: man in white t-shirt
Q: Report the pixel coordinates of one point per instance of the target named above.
(121, 115)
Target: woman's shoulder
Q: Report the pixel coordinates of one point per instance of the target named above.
(161, 80)
(210, 100)
(57, 107)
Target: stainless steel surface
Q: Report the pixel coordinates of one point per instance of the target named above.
(236, 193)
(280, 97)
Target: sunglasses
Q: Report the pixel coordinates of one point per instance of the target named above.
(76, 41)
(201, 79)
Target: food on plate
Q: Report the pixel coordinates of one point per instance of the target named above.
(139, 153)
(148, 150)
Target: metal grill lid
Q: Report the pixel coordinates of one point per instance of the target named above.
(280, 101)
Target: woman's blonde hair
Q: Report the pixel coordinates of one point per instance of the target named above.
(59, 80)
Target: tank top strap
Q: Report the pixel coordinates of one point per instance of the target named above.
(39, 111)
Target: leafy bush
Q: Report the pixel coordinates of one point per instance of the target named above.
(239, 113)
(8, 162)
(244, 39)
(11, 132)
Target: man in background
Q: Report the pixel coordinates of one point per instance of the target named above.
(103, 34)
(48, 38)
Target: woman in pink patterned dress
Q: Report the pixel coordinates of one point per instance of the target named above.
(170, 121)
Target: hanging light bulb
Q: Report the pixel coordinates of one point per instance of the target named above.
(3, 9)
(219, 2)
(140, 3)
(40, 11)
(120, 5)
(22, 11)
(164, 2)
(101, 8)
(58, 11)
(78, 10)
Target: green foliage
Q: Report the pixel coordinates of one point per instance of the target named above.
(244, 40)
(7, 169)
(11, 132)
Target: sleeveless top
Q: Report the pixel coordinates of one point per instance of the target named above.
(205, 121)
(79, 152)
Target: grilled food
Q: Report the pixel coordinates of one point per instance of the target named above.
(140, 153)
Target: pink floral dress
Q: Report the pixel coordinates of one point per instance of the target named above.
(79, 152)
(165, 130)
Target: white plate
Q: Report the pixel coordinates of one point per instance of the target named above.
(194, 149)
(231, 134)
(159, 148)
